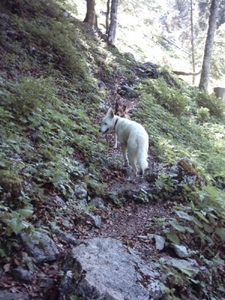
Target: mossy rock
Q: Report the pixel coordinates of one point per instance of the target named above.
(10, 184)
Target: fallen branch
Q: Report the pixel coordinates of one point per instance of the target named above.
(185, 73)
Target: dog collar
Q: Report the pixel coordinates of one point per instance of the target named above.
(115, 123)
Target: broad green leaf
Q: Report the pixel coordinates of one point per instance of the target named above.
(183, 267)
(189, 229)
(197, 222)
(177, 226)
(221, 233)
(183, 215)
(15, 225)
(172, 236)
(208, 228)
(2, 164)
(25, 212)
(201, 216)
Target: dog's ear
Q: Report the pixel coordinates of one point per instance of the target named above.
(110, 113)
(124, 108)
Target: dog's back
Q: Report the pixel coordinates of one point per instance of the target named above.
(134, 137)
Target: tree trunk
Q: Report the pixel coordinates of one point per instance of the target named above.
(203, 85)
(220, 93)
(107, 16)
(91, 17)
(192, 44)
(113, 22)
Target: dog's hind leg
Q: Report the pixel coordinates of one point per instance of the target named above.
(133, 162)
(124, 150)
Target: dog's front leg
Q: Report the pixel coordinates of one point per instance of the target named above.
(115, 141)
(124, 150)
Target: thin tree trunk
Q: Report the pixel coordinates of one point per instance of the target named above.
(113, 22)
(204, 80)
(107, 17)
(192, 44)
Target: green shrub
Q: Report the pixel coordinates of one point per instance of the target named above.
(171, 98)
(28, 95)
(202, 114)
(215, 106)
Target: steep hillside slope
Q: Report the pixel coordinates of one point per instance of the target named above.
(57, 80)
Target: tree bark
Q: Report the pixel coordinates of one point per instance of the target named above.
(113, 22)
(192, 44)
(220, 93)
(203, 85)
(91, 16)
(107, 16)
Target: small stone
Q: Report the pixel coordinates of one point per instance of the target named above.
(21, 274)
(181, 251)
(159, 242)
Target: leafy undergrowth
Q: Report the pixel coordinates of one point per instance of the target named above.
(51, 104)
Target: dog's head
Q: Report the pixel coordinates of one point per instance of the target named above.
(121, 111)
(107, 122)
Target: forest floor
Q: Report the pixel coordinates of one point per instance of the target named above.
(132, 222)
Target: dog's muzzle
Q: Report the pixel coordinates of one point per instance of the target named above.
(100, 130)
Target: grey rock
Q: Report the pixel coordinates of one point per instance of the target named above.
(21, 274)
(59, 202)
(40, 246)
(159, 242)
(5, 295)
(185, 172)
(103, 268)
(181, 251)
(66, 14)
(45, 282)
(147, 251)
(80, 205)
(97, 203)
(125, 90)
(102, 85)
(96, 220)
(67, 237)
(80, 191)
(66, 223)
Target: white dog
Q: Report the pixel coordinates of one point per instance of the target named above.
(122, 112)
(132, 137)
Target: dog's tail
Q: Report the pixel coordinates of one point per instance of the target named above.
(142, 156)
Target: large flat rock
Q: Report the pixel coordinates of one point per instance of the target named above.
(103, 268)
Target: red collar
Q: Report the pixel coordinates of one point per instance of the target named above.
(115, 123)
